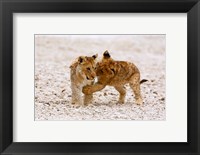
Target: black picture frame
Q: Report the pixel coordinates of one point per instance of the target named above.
(8, 7)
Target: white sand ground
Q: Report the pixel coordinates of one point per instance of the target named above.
(53, 55)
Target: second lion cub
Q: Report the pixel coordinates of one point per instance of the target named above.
(117, 74)
(82, 73)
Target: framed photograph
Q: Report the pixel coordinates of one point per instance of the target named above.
(102, 77)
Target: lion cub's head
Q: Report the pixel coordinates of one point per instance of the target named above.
(105, 66)
(87, 66)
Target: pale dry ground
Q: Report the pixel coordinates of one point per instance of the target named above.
(53, 55)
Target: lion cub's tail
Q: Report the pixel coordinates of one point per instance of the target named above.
(143, 80)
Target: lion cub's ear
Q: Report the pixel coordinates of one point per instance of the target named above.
(106, 54)
(81, 59)
(95, 56)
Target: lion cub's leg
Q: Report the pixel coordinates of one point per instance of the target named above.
(76, 95)
(87, 99)
(135, 85)
(89, 89)
(122, 93)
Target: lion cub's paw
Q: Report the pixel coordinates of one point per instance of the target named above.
(139, 102)
(76, 102)
(86, 90)
(120, 102)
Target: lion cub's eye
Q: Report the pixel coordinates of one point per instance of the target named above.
(88, 69)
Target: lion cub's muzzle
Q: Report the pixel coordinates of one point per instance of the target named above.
(91, 77)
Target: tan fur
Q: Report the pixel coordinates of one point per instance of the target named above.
(117, 74)
(82, 73)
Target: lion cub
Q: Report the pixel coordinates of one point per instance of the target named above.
(82, 73)
(117, 74)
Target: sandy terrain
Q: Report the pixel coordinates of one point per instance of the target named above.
(54, 54)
